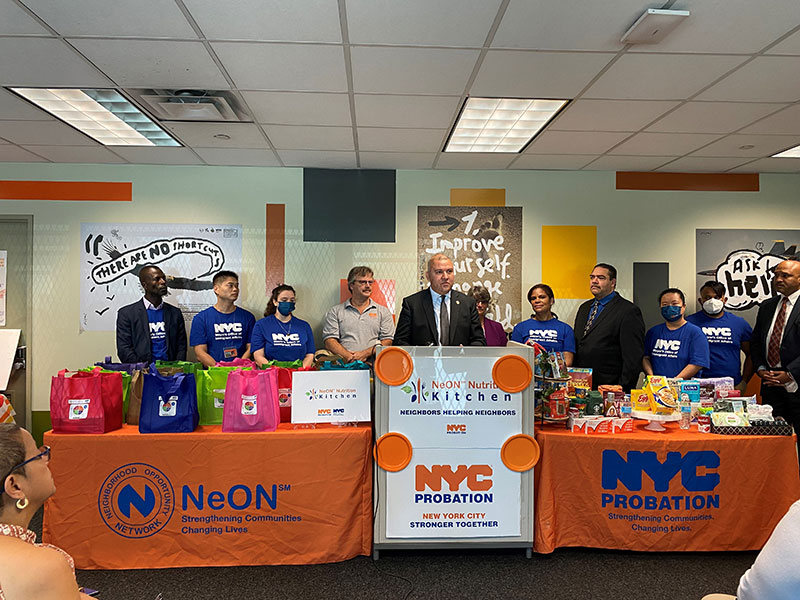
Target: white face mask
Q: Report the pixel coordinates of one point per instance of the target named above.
(713, 306)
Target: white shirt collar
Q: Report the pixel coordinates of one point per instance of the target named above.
(149, 305)
(792, 298)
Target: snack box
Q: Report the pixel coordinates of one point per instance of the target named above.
(589, 425)
(579, 379)
(640, 400)
(622, 425)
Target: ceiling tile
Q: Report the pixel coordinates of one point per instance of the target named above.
(567, 24)
(575, 142)
(702, 164)
(17, 154)
(421, 22)
(521, 74)
(49, 133)
(627, 163)
(712, 117)
(158, 156)
(728, 27)
(785, 122)
(289, 67)
(2, 141)
(201, 135)
(412, 70)
(762, 145)
(764, 79)
(15, 109)
(396, 160)
(76, 154)
(610, 115)
(660, 76)
(15, 21)
(426, 112)
(400, 140)
(143, 18)
(770, 165)
(301, 137)
(158, 64)
(43, 62)
(791, 45)
(322, 159)
(298, 108)
(568, 162)
(465, 160)
(663, 144)
(238, 157)
(269, 20)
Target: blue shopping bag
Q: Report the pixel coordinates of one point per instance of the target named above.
(169, 404)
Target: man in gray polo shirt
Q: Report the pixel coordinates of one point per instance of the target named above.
(354, 328)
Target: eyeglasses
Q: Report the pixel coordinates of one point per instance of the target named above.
(364, 281)
(44, 454)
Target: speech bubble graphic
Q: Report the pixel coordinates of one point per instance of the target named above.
(747, 276)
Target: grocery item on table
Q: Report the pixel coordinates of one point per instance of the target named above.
(640, 400)
(662, 397)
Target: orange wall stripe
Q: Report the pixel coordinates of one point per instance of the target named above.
(684, 182)
(81, 191)
(275, 246)
(477, 197)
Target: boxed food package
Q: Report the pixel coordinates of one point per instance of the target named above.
(589, 425)
(594, 404)
(729, 419)
(662, 396)
(580, 379)
(622, 425)
(640, 400)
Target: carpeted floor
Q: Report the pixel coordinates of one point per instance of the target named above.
(574, 573)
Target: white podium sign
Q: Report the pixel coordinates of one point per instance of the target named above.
(330, 396)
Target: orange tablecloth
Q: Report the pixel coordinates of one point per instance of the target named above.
(714, 492)
(126, 500)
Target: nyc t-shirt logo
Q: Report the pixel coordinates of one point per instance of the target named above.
(228, 331)
(667, 348)
(543, 334)
(718, 335)
(285, 339)
(157, 331)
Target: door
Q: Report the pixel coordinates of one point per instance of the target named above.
(16, 238)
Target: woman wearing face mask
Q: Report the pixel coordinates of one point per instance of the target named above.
(728, 336)
(27, 569)
(279, 335)
(543, 327)
(675, 348)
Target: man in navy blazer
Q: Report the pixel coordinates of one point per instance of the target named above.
(439, 315)
(775, 345)
(609, 333)
(150, 329)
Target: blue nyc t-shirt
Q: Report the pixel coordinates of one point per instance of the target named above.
(670, 351)
(553, 335)
(158, 333)
(225, 335)
(290, 341)
(725, 336)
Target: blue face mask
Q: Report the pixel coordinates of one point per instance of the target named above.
(285, 308)
(671, 313)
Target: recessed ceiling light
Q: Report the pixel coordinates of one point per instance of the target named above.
(653, 26)
(222, 136)
(500, 124)
(104, 115)
(790, 153)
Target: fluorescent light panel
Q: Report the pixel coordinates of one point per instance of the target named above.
(790, 153)
(500, 124)
(104, 115)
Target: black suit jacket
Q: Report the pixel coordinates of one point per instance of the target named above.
(614, 345)
(790, 343)
(133, 333)
(416, 325)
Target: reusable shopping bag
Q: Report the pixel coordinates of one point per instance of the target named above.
(244, 363)
(169, 404)
(211, 394)
(285, 370)
(126, 386)
(251, 401)
(86, 401)
(183, 365)
(129, 368)
(135, 397)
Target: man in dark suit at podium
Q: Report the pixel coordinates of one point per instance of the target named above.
(439, 315)
(609, 332)
(775, 345)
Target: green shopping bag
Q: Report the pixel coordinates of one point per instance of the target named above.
(186, 366)
(211, 393)
(286, 364)
(126, 387)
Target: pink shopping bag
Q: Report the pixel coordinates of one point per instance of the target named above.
(76, 403)
(251, 401)
(238, 362)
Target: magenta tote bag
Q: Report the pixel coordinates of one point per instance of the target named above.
(251, 401)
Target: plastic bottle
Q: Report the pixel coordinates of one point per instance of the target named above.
(686, 412)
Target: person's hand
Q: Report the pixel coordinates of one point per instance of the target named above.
(362, 355)
(774, 378)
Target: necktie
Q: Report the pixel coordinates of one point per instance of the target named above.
(444, 323)
(774, 346)
(592, 315)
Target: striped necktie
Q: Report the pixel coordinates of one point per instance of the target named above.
(592, 315)
(774, 347)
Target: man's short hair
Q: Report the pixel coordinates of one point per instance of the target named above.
(360, 271)
(612, 271)
(223, 275)
(436, 257)
(672, 291)
(718, 287)
(147, 268)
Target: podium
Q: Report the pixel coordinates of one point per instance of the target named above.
(455, 449)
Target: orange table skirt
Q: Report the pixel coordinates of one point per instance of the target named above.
(130, 501)
(671, 491)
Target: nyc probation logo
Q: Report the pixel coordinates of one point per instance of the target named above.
(136, 500)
